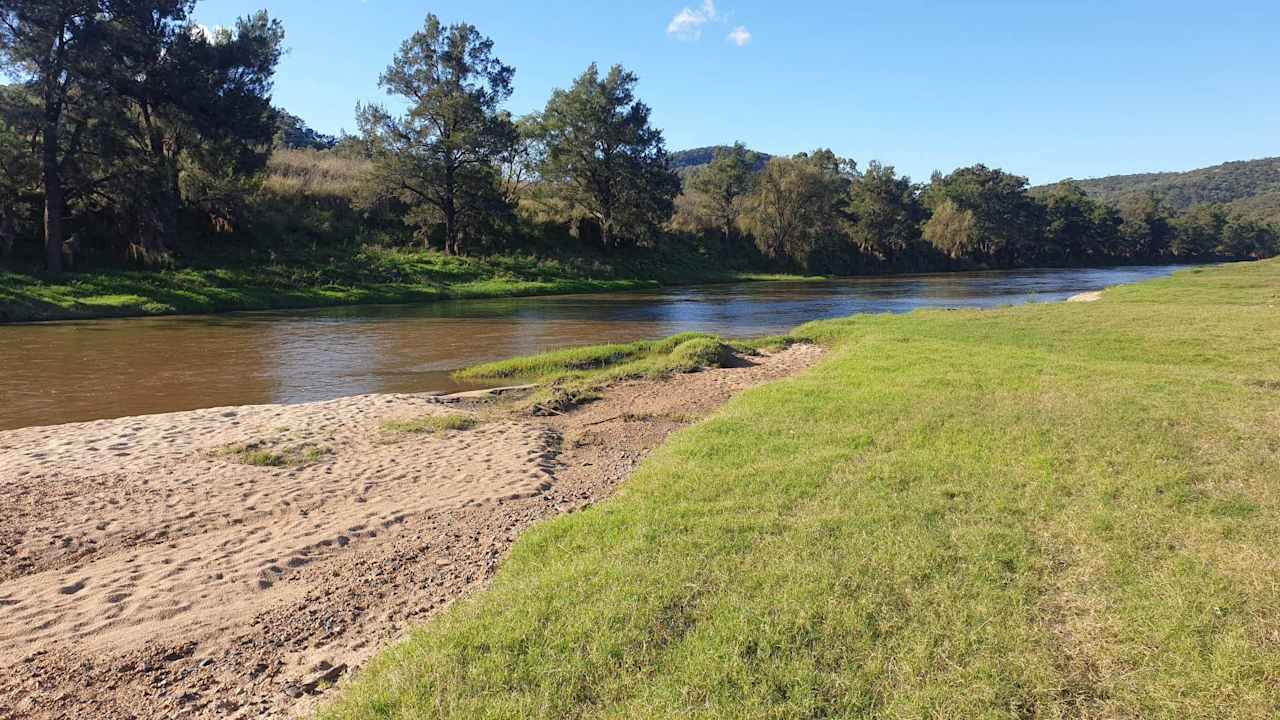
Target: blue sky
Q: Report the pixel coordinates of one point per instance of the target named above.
(1043, 88)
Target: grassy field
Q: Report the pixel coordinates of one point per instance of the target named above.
(1047, 511)
(335, 276)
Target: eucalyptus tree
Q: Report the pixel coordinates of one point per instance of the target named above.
(1198, 232)
(604, 160)
(440, 156)
(1146, 228)
(1005, 218)
(951, 229)
(1248, 238)
(1078, 230)
(885, 215)
(46, 45)
(719, 187)
(797, 204)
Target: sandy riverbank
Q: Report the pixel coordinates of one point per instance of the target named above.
(1086, 296)
(147, 570)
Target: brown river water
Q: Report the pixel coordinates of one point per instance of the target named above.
(61, 372)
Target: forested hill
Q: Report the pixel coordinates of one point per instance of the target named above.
(1251, 187)
(683, 161)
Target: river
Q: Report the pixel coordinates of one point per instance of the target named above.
(82, 370)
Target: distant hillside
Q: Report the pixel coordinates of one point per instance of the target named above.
(685, 161)
(1251, 187)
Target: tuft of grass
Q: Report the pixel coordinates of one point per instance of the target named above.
(430, 424)
(1047, 511)
(576, 375)
(264, 453)
(548, 365)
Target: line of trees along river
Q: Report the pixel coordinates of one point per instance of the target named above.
(132, 136)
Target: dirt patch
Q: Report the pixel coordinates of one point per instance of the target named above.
(146, 573)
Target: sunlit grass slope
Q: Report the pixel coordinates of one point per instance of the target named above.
(332, 276)
(1048, 511)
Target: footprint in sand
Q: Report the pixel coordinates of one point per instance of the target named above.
(73, 588)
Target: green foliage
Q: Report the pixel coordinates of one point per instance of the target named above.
(153, 149)
(797, 205)
(1047, 511)
(686, 162)
(885, 215)
(1077, 229)
(952, 230)
(1247, 238)
(604, 162)
(140, 122)
(292, 133)
(434, 424)
(718, 189)
(1145, 229)
(439, 158)
(1198, 233)
(19, 176)
(1249, 188)
(1004, 216)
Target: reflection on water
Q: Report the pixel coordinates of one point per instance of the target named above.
(69, 371)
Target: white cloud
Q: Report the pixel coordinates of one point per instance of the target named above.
(739, 36)
(687, 24)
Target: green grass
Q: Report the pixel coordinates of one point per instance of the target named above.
(575, 375)
(1047, 511)
(430, 424)
(321, 277)
(264, 454)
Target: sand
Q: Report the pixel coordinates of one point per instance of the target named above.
(147, 571)
(1086, 296)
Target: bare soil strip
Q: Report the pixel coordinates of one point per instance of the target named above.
(237, 562)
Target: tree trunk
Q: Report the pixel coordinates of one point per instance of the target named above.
(606, 227)
(6, 240)
(173, 200)
(451, 231)
(451, 245)
(55, 205)
(165, 198)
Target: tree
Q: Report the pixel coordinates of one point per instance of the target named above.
(440, 156)
(518, 164)
(603, 159)
(796, 204)
(1005, 223)
(1145, 229)
(15, 173)
(952, 230)
(1078, 230)
(1199, 231)
(47, 44)
(293, 133)
(193, 112)
(1247, 238)
(885, 214)
(19, 172)
(719, 187)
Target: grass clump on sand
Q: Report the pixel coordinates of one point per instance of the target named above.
(430, 424)
(576, 375)
(263, 454)
(1045, 511)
